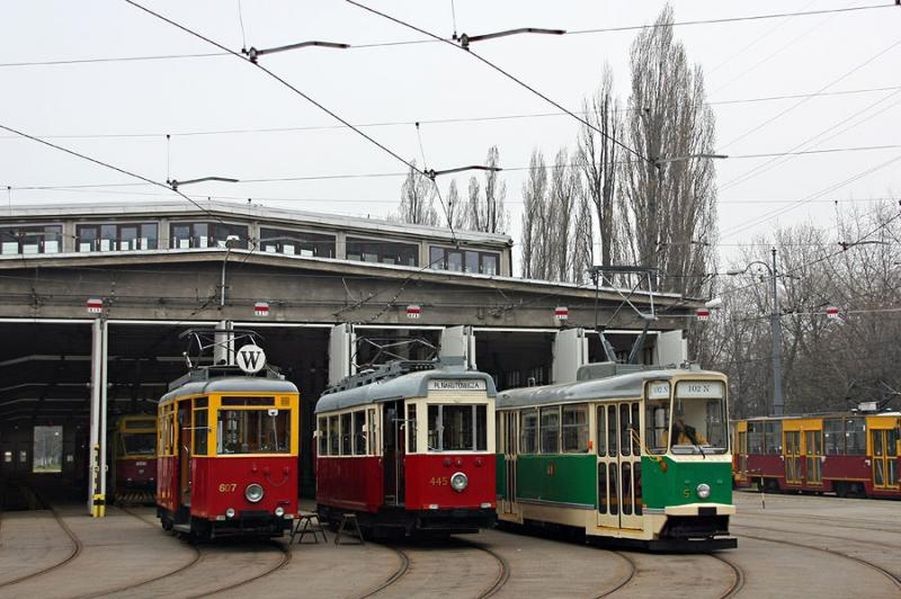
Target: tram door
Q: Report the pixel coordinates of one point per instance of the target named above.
(813, 451)
(885, 457)
(509, 434)
(791, 448)
(618, 463)
(393, 455)
(184, 452)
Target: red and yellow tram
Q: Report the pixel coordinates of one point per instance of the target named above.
(135, 464)
(409, 449)
(228, 447)
(845, 453)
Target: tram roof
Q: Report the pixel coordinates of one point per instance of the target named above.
(231, 384)
(614, 386)
(413, 384)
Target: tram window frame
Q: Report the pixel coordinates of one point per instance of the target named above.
(372, 442)
(323, 435)
(410, 424)
(359, 432)
(201, 430)
(755, 438)
(241, 423)
(612, 431)
(451, 425)
(656, 422)
(601, 428)
(625, 426)
(575, 432)
(834, 436)
(346, 433)
(528, 434)
(772, 431)
(549, 430)
(856, 437)
(334, 439)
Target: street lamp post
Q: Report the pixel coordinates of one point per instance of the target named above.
(778, 407)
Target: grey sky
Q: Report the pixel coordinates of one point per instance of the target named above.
(429, 81)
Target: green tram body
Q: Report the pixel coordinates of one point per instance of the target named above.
(564, 450)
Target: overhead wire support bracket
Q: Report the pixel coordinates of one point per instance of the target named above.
(174, 184)
(432, 173)
(253, 54)
(465, 40)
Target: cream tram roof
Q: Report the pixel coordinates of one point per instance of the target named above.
(230, 384)
(414, 384)
(609, 383)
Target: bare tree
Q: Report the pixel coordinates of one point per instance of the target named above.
(456, 210)
(486, 212)
(669, 197)
(534, 192)
(417, 200)
(597, 156)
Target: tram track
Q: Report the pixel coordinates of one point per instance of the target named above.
(76, 551)
(284, 561)
(402, 569)
(878, 526)
(503, 574)
(737, 573)
(633, 570)
(869, 542)
(893, 578)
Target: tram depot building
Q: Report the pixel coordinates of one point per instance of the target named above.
(94, 300)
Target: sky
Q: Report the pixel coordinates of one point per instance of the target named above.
(227, 118)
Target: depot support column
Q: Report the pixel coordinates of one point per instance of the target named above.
(97, 474)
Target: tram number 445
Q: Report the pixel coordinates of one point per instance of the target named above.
(227, 487)
(439, 481)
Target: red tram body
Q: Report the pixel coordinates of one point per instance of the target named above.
(846, 454)
(409, 449)
(228, 454)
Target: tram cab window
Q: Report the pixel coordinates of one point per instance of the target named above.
(656, 422)
(457, 427)
(699, 418)
(138, 443)
(254, 431)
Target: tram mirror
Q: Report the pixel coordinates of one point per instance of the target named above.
(272, 412)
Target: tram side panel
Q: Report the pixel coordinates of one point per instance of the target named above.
(352, 483)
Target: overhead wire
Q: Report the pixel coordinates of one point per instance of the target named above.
(602, 30)
(506, 74)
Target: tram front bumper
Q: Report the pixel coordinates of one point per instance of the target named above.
(700, 509)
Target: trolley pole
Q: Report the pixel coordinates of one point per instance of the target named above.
(776, 324)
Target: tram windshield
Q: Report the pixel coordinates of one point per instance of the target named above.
(699, 418)
(139, 443)
(457, 428)
(254, 431)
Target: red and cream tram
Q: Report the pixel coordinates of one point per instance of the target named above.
(408, 449)
(851, 453)
(228, 447)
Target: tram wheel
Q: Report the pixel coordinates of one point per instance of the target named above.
(166, 523)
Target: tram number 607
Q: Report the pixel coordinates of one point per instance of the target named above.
(227, 487)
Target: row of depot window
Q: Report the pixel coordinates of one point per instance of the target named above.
(113, 237)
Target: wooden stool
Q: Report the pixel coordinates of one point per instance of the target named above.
(346, 521)
(308, 524)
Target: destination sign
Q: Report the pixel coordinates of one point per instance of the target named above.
(699, 389)
(457, 385)
(658, 390)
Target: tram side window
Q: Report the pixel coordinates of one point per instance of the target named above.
(371, 441)
(602, 431)
(411, 427)
(755, 438)
(575, 429)
(346, 432)
(656, 421)
(550, 430)
(334, 441)
(323, 436)
(529, 427)
(855, 436)
(772, 437)
(359, 425)
(834, 437)
(201, 432)
(625, 425)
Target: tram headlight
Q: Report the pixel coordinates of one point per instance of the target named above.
(279, 511)
(253, 492)
(459, 481)
(230, 512)
(703, 490)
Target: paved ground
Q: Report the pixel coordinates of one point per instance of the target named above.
(796, 546)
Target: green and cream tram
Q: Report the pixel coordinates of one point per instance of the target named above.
(634, 454)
